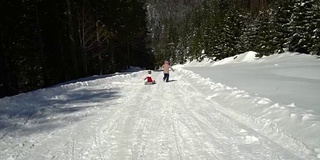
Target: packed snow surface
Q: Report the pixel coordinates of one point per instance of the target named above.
(194, 116)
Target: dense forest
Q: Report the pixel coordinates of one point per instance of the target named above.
(193, 29)
(48, 42)
(43, 43)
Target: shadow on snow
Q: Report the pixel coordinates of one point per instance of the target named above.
(47, 110)
(173, 80)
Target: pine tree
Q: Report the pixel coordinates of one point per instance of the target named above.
(234, 24)
(301, 25)
(316, 28)
(266, 34)
(283, 10)
(248, 39)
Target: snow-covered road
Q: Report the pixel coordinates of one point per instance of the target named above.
(120, 118)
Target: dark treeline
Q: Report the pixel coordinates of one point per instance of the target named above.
(47, 42)
(193, 29)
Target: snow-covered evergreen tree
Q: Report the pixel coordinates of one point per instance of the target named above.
(265, 34)
(281, 21)
(301, 24)
(316, 28)
(248, 37)
(232, 30)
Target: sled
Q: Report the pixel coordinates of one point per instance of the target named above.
(149, 83)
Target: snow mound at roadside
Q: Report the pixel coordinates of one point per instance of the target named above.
(203, 63)
(244, 57)
(249, 56)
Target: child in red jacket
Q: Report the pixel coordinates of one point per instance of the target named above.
(148, 79)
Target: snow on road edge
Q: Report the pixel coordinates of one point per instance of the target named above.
(297, 128)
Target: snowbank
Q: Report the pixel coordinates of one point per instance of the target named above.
(279, 122)
(245, 57)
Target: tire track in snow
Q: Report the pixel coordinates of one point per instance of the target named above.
(217, 139)
(280, 139)
(188, 127)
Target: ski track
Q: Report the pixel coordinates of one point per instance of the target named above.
(147, 122)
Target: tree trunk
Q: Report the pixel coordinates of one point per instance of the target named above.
(41, 48)
(82, 39)
(113, 67)
(72, 41)
(98, 39)
(3, 89)
(63, 73)
(128, 57)
(258, 5)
